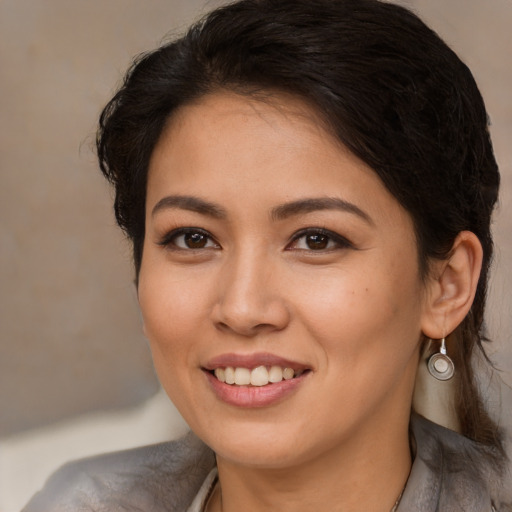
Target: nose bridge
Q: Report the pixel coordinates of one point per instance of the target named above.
(249, 299)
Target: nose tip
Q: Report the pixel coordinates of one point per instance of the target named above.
(248, 321)
(249, 304)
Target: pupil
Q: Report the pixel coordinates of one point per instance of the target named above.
(317, 241)
(195, 240)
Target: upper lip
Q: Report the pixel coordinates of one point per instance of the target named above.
(252, 361)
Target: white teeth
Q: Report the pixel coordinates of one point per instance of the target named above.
(275, 374)
(229, 374)
(220, 374)
(242, 376)
(259, 376)
(288, 373)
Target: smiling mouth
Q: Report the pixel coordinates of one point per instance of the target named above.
(259, 376)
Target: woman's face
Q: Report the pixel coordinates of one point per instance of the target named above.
(270, 246)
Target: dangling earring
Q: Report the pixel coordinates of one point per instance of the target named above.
(440, 365)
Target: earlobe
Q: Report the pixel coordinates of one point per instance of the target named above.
(452, 286)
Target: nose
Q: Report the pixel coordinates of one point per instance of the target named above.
(249, 300)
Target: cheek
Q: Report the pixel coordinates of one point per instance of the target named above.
(170, 309)
(350, 312)
(369, 339)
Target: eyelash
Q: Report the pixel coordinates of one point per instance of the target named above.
(169, 239)
(340, 242)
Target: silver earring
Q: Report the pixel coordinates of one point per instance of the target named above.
(440, 365)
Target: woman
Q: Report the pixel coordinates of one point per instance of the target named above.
(308, 186)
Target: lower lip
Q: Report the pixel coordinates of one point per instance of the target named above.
(254, 396)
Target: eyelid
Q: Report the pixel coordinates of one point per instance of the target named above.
(341, 241)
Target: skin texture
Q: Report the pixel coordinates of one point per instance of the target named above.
(352, 312)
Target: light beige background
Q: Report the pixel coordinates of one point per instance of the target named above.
(70, 337)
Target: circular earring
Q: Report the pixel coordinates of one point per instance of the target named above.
(440, 365)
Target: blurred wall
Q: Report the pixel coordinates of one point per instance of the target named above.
(70, 336)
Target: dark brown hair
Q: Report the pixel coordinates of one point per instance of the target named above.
(386, 85)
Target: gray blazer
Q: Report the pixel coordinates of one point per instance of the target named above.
(450, 473)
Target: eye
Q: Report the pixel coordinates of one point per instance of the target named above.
(314, 239)
(189, 238)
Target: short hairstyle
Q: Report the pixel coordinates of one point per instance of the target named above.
(386, 86)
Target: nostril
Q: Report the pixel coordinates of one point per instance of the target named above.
(246, 330)
(249, 320)
(223, 326)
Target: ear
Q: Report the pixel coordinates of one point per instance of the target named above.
(451, 286)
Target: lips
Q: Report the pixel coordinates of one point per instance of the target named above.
(254, 380)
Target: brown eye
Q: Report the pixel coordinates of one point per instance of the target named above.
(189, 239)
(195, 240)
(317, 241)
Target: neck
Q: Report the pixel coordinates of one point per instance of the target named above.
(368, 473)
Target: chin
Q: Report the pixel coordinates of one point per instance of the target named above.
(260, 455)
(271, 445)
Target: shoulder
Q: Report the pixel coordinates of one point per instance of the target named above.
(157, 478)
(453, 473)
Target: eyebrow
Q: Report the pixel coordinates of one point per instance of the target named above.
(191, 203)
(281, 212)
(313, 204)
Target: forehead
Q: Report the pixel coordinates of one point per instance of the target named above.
(229, 126)
(262, 114)
(232, 147)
